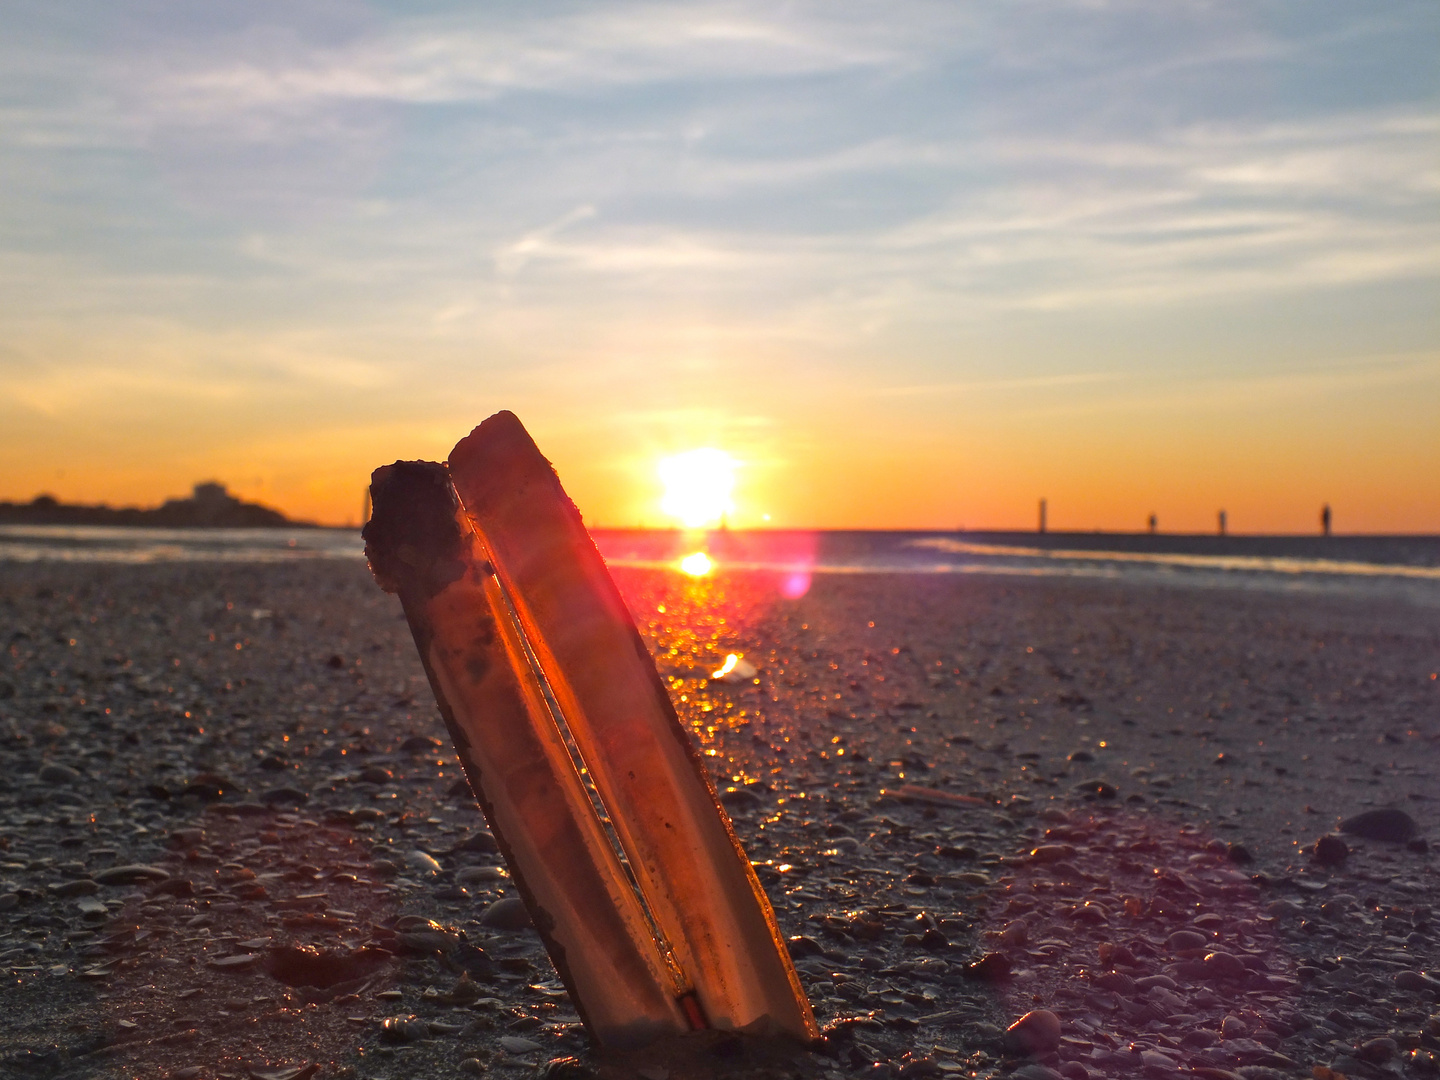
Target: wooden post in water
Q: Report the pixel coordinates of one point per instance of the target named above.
(1042, 515)
(1222, 522)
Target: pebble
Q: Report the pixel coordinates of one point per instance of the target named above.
(284, 796)
(739, 798)
(56, 773)
(1330, 851)
(1035, 1033)
(1036, 1071)
(1187, 941)
(1221, 965)
(918, 1067)
(130, 874)
(1387, 824)
(1377, 1051)
(1416, 980)
(513, 1044)
(423, 863)
(507, 914)
(403, 1029)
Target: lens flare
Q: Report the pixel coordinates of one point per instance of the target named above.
(724, 669)
(698, 486)
(697, 565)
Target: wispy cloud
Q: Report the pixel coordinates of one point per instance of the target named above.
(581, 201)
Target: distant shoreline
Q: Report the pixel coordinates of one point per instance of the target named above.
(210, 506)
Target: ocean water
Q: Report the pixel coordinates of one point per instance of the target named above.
(120, 544)
(1404, 568)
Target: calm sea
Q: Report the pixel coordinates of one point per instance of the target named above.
(1405, 567)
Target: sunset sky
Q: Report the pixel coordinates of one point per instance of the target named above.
(909, 264)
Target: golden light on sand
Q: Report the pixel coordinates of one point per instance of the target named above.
(699, 485)
(698, 564)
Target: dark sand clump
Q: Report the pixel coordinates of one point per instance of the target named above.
(233, 842)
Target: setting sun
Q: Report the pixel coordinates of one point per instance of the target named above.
(698, 486)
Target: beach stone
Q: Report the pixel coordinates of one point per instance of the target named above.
(512, 1044)
(1036, 1071)
(1387, 824)
(1101, 789)
(739, 798)
(422, 863)
(1377, 1051)
(426, 941)
(1330, 851)
(78, 887)
(403, 1029)
(919, 1067)
(1183, 941)
(1073, 1070)
(130, 874)
(1232, 1027)
(1051, 853)
(1416, 980)
(506, 914)
(991, 966)
(1035, 1033)
(284, 796)
(420, 744)
(1222, 965)
(56, 773)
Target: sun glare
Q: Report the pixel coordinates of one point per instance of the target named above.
(698, 486)
(697, 565)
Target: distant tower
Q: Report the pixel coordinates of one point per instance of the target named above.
(1325, 520)
(1042, 515)
(1154, 524)
(1222, 522)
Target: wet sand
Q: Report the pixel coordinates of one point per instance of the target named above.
(255, 743)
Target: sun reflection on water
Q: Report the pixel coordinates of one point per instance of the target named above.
(697, 564)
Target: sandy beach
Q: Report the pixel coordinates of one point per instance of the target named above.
(208, 768)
